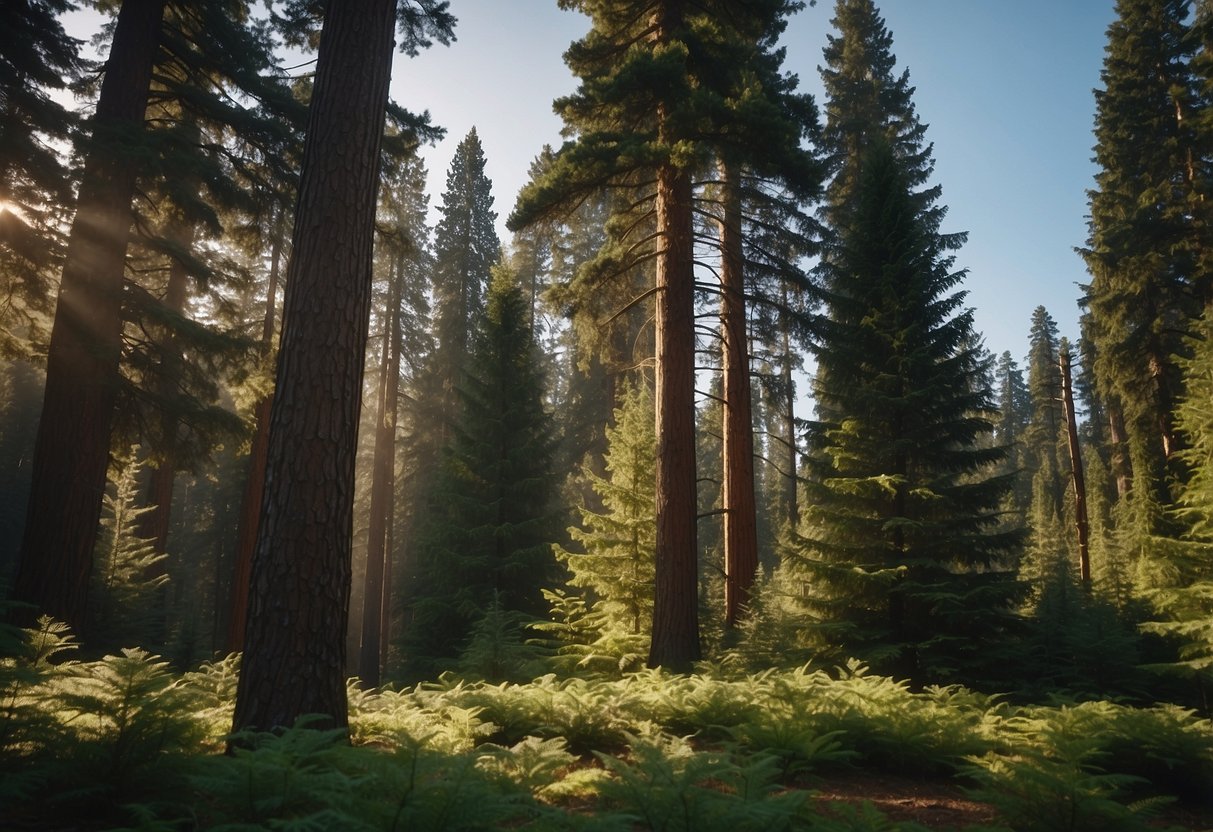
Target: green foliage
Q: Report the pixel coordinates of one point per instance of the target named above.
(608, 624)
(902, 549)
(499, 649)
(1094, 766)
(127, 572)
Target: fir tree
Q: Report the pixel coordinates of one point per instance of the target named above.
(489, 520)
(1147, 212)
(902, 547)
(613, 570)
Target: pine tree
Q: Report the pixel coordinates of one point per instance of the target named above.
(489, 519)
(611, 570)
(1014, 411)
(1143, 251)
(294, 647)
(72, 449)
(466, 247)
(866, 102)
(902, 547)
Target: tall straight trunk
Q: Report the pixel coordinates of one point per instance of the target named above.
(675, 637)
(1082, 526)
(71, 452)
(254, 483)
(737, 446)
(294, 642)
(383, 486)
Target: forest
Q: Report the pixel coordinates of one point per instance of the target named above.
(697, 504)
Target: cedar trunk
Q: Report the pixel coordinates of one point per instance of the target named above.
(71, 452)
(294, 644)
(383, 486)
(740, 526)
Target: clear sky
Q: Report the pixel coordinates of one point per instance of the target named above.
(1005, 87)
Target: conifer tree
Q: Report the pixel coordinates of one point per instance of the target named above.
(902, 547)
(1147, 219)
(489, 519)
(611, 569)
(294, 646)
(466, 247)
(72, 449)
(1014, 411)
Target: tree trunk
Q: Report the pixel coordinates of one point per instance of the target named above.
(675, 638)
(71, 452)
(254, 483)
(294, 643)
(737, 446)
(383, 486)
(1080, 487)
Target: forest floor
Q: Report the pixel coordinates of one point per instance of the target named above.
(944, 806)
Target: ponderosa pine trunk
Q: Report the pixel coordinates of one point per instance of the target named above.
(71, 452)
(737, 432)
(254, 483)
(294, 644)
(1081, 523)
(675, 637)
(383, 486)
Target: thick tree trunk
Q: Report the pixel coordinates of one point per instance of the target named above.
(71, 453)
(383, 486)
(1081, 523)
(737, 432)
(294, 643)
(675, 638)
(254, 483)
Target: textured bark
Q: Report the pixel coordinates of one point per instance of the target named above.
(383, 487)
(1081, 523)
(294, 643)
(675, 638)
(254, 483)
(72, 449)
(740, 524)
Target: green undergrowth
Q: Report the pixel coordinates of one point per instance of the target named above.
(125, 743)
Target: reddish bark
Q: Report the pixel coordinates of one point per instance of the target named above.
(383, 487)
(71, 452)
(740, 525)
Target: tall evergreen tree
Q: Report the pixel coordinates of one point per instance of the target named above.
(466, 247)
(1148, 215)
(294, 647)
(489, 521)
(612, 574)
(902, 545)
(72, 449)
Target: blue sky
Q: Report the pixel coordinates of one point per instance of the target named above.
(1006, 88)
